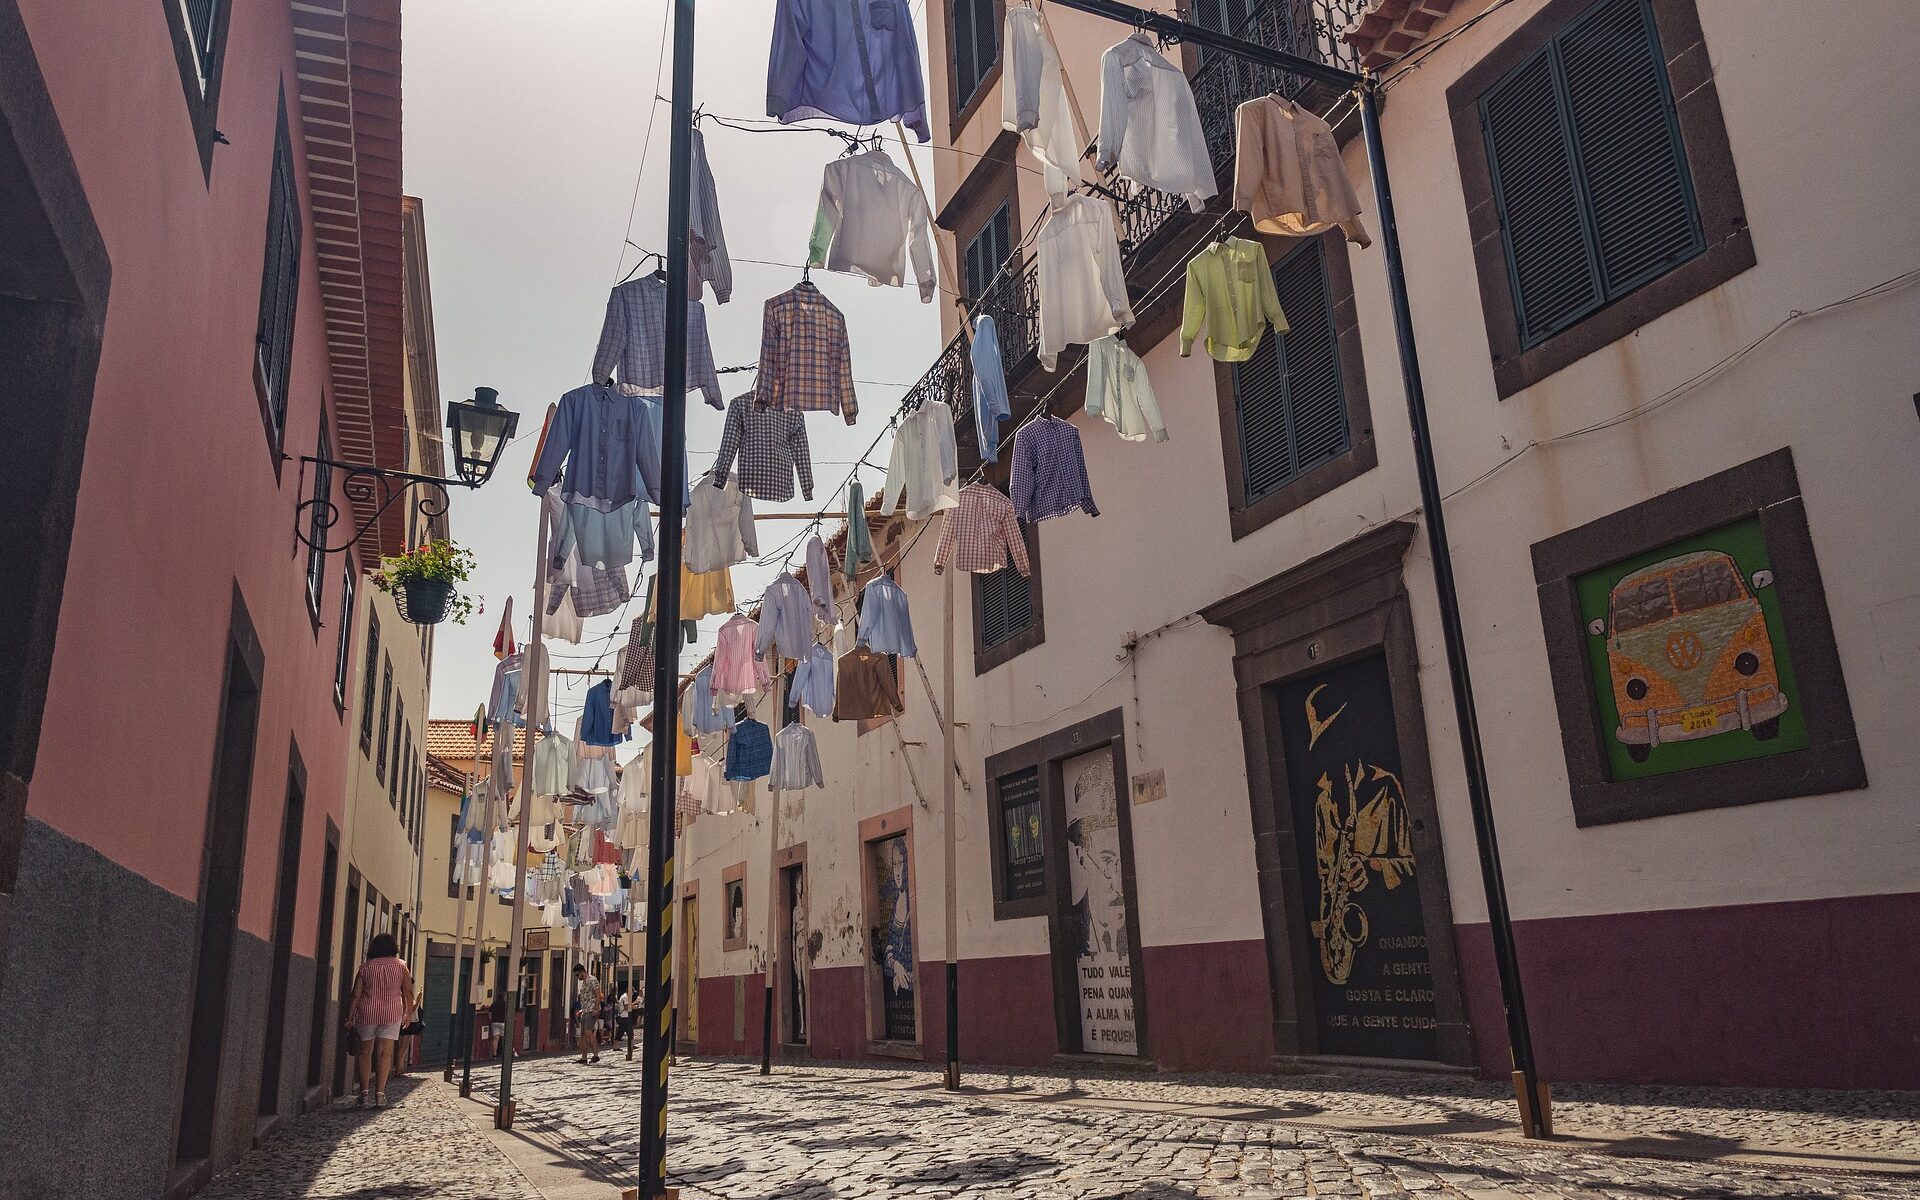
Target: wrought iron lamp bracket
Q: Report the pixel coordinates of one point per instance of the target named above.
(316, 517)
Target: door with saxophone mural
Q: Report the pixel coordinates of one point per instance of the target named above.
(1367, 956)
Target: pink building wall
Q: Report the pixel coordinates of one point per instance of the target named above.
(179, 499)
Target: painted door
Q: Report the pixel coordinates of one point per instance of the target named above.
(1367, 933)
(893, 946)
(439, 991)
(1103, 948)
(690, 974)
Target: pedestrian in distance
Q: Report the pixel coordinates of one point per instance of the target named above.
(382, 1002)
(592, 995)
(499, 1010)
(623, 1015)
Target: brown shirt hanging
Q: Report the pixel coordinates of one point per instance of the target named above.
(868, 687)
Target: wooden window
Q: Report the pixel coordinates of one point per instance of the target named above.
(1588, 169)
(366, 684)
(400, 748)
(199, 31)
(344, 644)
(386, 710)
(975, 36)
(279, 288)
(1007, 611)
(1292, 415)
(986, 251)
(317, 523)
(1600, 188)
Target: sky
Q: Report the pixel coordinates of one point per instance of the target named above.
(526, 125)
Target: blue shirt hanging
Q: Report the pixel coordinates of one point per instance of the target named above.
(856, 61)
(990, 406)
(749, 752)
(596, 722)
(885, 626)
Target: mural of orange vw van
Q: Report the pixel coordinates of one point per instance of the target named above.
(1689, 653)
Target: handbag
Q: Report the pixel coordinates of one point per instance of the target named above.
(353, 1040)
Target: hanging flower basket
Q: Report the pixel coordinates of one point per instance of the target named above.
(422, 580)
(425, 601)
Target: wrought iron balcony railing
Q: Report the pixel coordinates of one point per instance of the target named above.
(1147, 219)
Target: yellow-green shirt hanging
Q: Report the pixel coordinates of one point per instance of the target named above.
(1230, 292)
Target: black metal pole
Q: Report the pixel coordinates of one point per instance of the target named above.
(666, 680)
(1535, 1116)
(1200, 35)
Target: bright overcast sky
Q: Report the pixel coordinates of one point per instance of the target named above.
(525, 126)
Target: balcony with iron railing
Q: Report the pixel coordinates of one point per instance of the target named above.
(1154, 227)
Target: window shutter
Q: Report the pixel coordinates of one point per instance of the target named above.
(1293, 410)
(1589, 171)
(1555, 278)
(280, 277)
(975, 45)
(200, 23)
(1630, 151)
(1006, 606)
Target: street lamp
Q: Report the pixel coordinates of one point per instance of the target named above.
(478, 430)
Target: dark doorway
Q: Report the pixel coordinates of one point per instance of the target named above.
(54, 277)
(349, 960)
(440, 994)
(795, 953)
(323, 958)
(286, 895)
(222, 863)
(556, 989)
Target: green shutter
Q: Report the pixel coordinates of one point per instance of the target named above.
(1292, 409)
(1006, 606)
(1629, 147)
(1589, 172)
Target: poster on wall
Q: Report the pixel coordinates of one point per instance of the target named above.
(690, 974)
(799, 952)
(1022, 850)
(893, 937)
(1687, 652)
(1372, 978)
(1103, 954)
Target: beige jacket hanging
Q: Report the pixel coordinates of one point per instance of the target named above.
(1288, 174)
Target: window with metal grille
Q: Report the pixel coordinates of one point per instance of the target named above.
(987, 250)
(386, 711)
(1589, 172)
(976, 46)
(1291, 406)
(344, 642)
(203, 32)
(1224, 16)
(1005, 603)
(279, 286)
(366, 683)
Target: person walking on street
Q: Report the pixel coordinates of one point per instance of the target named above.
(592, 994)
(382, 1002)
(499, 1010)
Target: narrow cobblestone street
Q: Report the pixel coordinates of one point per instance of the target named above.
(826, 1130)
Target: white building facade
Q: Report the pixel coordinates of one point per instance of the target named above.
(1211, 808)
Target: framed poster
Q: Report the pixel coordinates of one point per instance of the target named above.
(1372, 980)
(1104, 957)
(1692, 657)
(1022, 848)
(893, 949)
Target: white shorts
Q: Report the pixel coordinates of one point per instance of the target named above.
(499, 1029)
(390, 1031)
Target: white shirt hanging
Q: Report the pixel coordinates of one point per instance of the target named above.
(1033, 100)
(925, 467)
(720, 529)
(1083, 284)
(874, 217)
(1150, 125)
(1119, 390)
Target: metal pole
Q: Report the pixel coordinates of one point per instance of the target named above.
(480, 893)
(457, 1001)
(951, 855)
(1200, 35)
(773, 889)
(1535, 1116)
(536, 692)
(666, 680)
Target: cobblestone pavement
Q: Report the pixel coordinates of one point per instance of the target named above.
(827, 1131)
(419, 1147)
